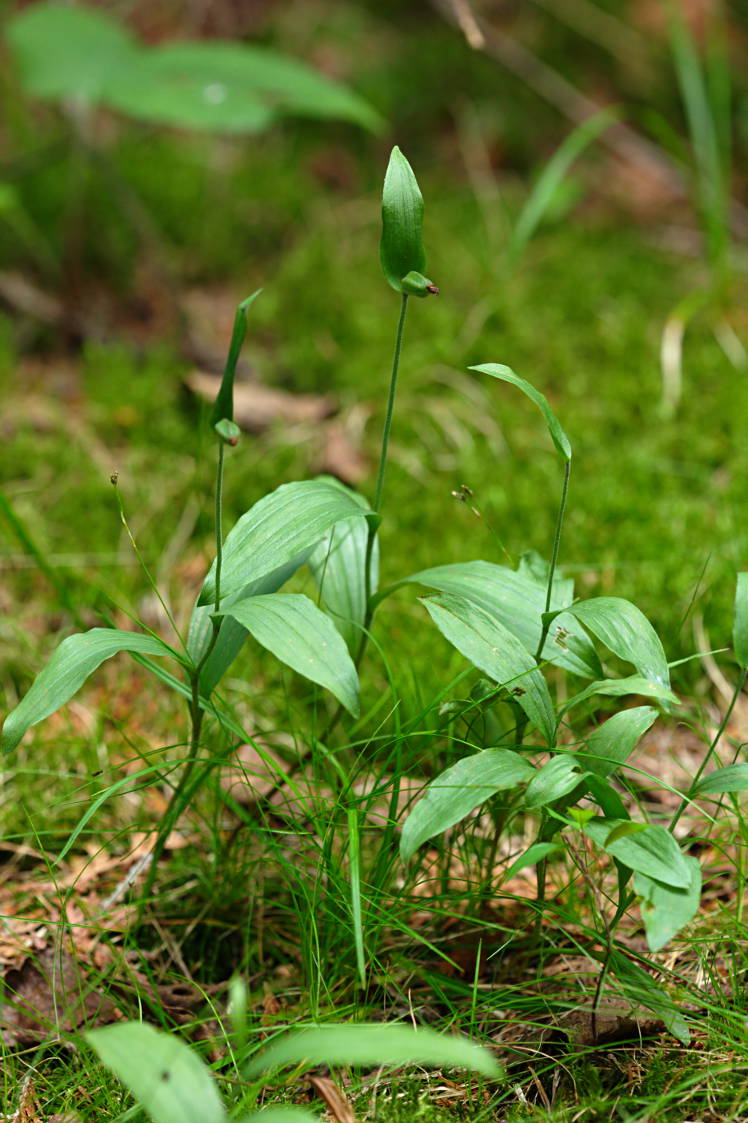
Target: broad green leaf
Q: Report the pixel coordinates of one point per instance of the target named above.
(620, 687)
(641, 989)
(301, 636)
(231, 635)
(223, 407)
(506, 374)
(625, 631)
(493, 649)
(231, 88)
(339, 567)
(740, 625)
(166, 1076)
(75, 659)
(517, 601)
(458, 791)
(374, 1044)
(731, 778)
(282, 525)
(69, 50)
(606, 797)
(561, 775)
(612, 743)
(534, 854)
(665, 909)
(401, 249)
(651, 850)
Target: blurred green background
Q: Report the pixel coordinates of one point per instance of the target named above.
(128, 237)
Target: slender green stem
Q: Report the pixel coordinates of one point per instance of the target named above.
(181, 794)
(710, 752)
(379, 489)
(554, 557)
(390, 405)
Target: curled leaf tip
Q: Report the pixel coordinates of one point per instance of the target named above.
(415, 284)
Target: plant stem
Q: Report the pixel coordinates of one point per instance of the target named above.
(378, 491)
(554, 557)
(178, 801)
(715, 741)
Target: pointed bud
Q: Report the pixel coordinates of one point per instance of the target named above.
(401, 251)
(223, 407)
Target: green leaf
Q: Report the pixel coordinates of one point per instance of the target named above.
(652, 850)
(731, 778)
(301, 636)
(69, 50)
(740, 625)
(282, 525)
(165, 1075)
(223, 407)
(339, 567)
(229, 88)
(665, 909)
(534, 854)
(612, 743)
(372, 1045)
(561, 775)
(231, 635)
(625, 630)
(492, 648)
(517, 601)
(458, 791)
(642, 990)
(75, 659)
(620, 687)
(506, 374)
(401, 249)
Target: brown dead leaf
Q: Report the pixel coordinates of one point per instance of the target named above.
(337, 1103)
(50, 996)
(257, 407)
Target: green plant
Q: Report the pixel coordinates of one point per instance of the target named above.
(511, 625)
(175, 1086)
(78, 52)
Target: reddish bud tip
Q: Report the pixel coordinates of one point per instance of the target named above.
(432, 289)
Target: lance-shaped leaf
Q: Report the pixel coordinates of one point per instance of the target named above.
(75, 659)
(517, 601)
(506, 374)
(339, 567)
(231, 635)
(165, 1075)
(301, 636)
(620, 687)
(458, 791)
(650, 850)
(401, 249)
(625, 630)
(665, 909)
(740, 625)
(731, 778)
(612, 743)
(282, 525)
(560, 776)
(498, 653)
(223, 407)
(374, 1044)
